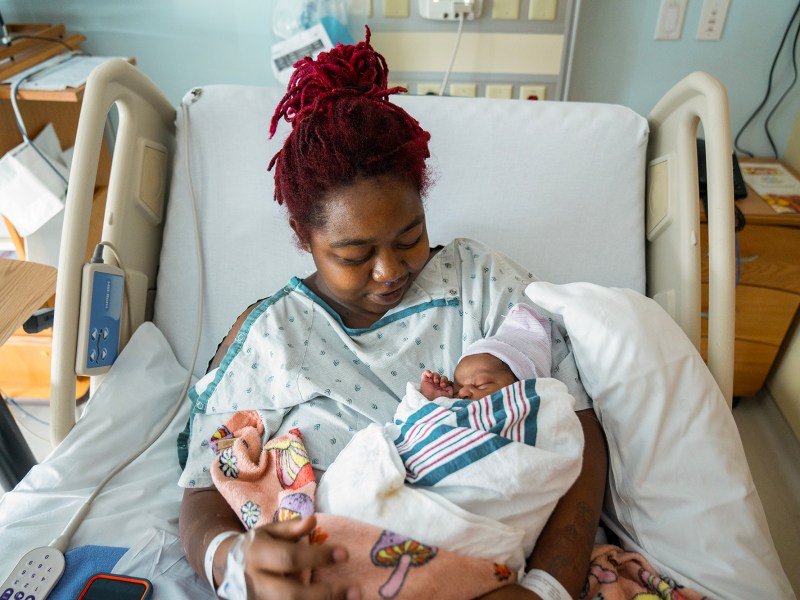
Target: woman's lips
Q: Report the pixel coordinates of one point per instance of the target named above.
(393, 295)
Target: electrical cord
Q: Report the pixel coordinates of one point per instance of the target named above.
(97, 257)
(5, 39)
(453, 55)
(785, 92)
(24, 36)
(62, 541)
(18, 406)
(18, 114)
(769, 88)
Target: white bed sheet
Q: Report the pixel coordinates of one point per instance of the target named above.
(132, 401)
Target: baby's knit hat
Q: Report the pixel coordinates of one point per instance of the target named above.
(522, 342)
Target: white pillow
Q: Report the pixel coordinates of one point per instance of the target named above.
(680, 488)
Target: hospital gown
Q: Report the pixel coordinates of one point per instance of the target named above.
(298, 365)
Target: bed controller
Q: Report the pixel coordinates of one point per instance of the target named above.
(35, 575)
(100, 318)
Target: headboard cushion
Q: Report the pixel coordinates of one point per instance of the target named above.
(557, 186)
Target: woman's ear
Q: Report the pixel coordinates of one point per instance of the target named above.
(302, 239)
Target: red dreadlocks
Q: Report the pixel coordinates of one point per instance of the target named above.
(343, 128)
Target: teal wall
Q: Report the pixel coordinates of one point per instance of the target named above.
(617, 59)
(182, 43)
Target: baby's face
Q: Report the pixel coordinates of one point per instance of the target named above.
(479, 375)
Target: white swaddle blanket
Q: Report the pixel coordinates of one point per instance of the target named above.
(479, 478)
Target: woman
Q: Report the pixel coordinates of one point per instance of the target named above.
(334, 350)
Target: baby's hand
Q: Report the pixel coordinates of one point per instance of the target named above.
(432, 385)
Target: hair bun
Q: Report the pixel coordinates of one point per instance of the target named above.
(346, 70)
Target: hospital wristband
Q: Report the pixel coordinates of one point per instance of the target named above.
(212, 550)
(544, 584)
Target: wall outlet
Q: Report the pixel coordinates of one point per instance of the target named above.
(542, 10)
(396, 8)
(533, 92)
(428, 89)
(448, 10)
(498, 90)
(712, 19)
(466, 90)
(670, 19)
(505, 9)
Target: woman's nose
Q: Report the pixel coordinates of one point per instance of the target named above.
(388, 267)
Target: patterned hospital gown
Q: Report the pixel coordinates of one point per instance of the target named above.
(296, 362)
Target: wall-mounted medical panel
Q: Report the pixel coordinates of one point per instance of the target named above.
(513, 46)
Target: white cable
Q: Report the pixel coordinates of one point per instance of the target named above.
(113, 249)
(453, 56)
(62, 540)
(576, 13)
(18, 114)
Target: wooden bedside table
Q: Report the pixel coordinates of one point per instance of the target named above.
(768, 293)
(25, 286)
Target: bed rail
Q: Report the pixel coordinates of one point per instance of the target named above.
(133, 217)
(673, 221)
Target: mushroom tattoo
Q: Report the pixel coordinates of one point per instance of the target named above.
(401, 553)
(293, 464)
(294, 506)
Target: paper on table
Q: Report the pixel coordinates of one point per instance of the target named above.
(774, 183)
(31, 191)
(59, 73)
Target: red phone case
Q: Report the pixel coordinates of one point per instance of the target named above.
(122, 580)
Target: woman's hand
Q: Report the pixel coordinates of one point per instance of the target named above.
(272, 558)
(274, 563)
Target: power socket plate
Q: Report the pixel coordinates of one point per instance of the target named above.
(450, 10)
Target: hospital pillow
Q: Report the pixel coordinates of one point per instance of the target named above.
(680, 490)
(249, 250)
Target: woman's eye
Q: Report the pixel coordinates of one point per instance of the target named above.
(408, 245)
(353, 261)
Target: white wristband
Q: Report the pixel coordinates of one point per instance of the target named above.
(544, 584)
(211, 551)
(234, 586)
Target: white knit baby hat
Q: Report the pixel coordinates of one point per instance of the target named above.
(522, 342)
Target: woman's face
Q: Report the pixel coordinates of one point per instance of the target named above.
(372, 246)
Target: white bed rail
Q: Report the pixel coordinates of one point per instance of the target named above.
(673, 221)
(133, 217)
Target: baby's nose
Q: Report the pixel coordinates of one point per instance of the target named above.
(467, 392)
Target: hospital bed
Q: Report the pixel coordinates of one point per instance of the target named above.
(594, 198)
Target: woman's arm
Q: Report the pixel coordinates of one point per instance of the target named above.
(565, 544)
(564, 548)
(197, 529)
(273, 559)
(222, 349)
